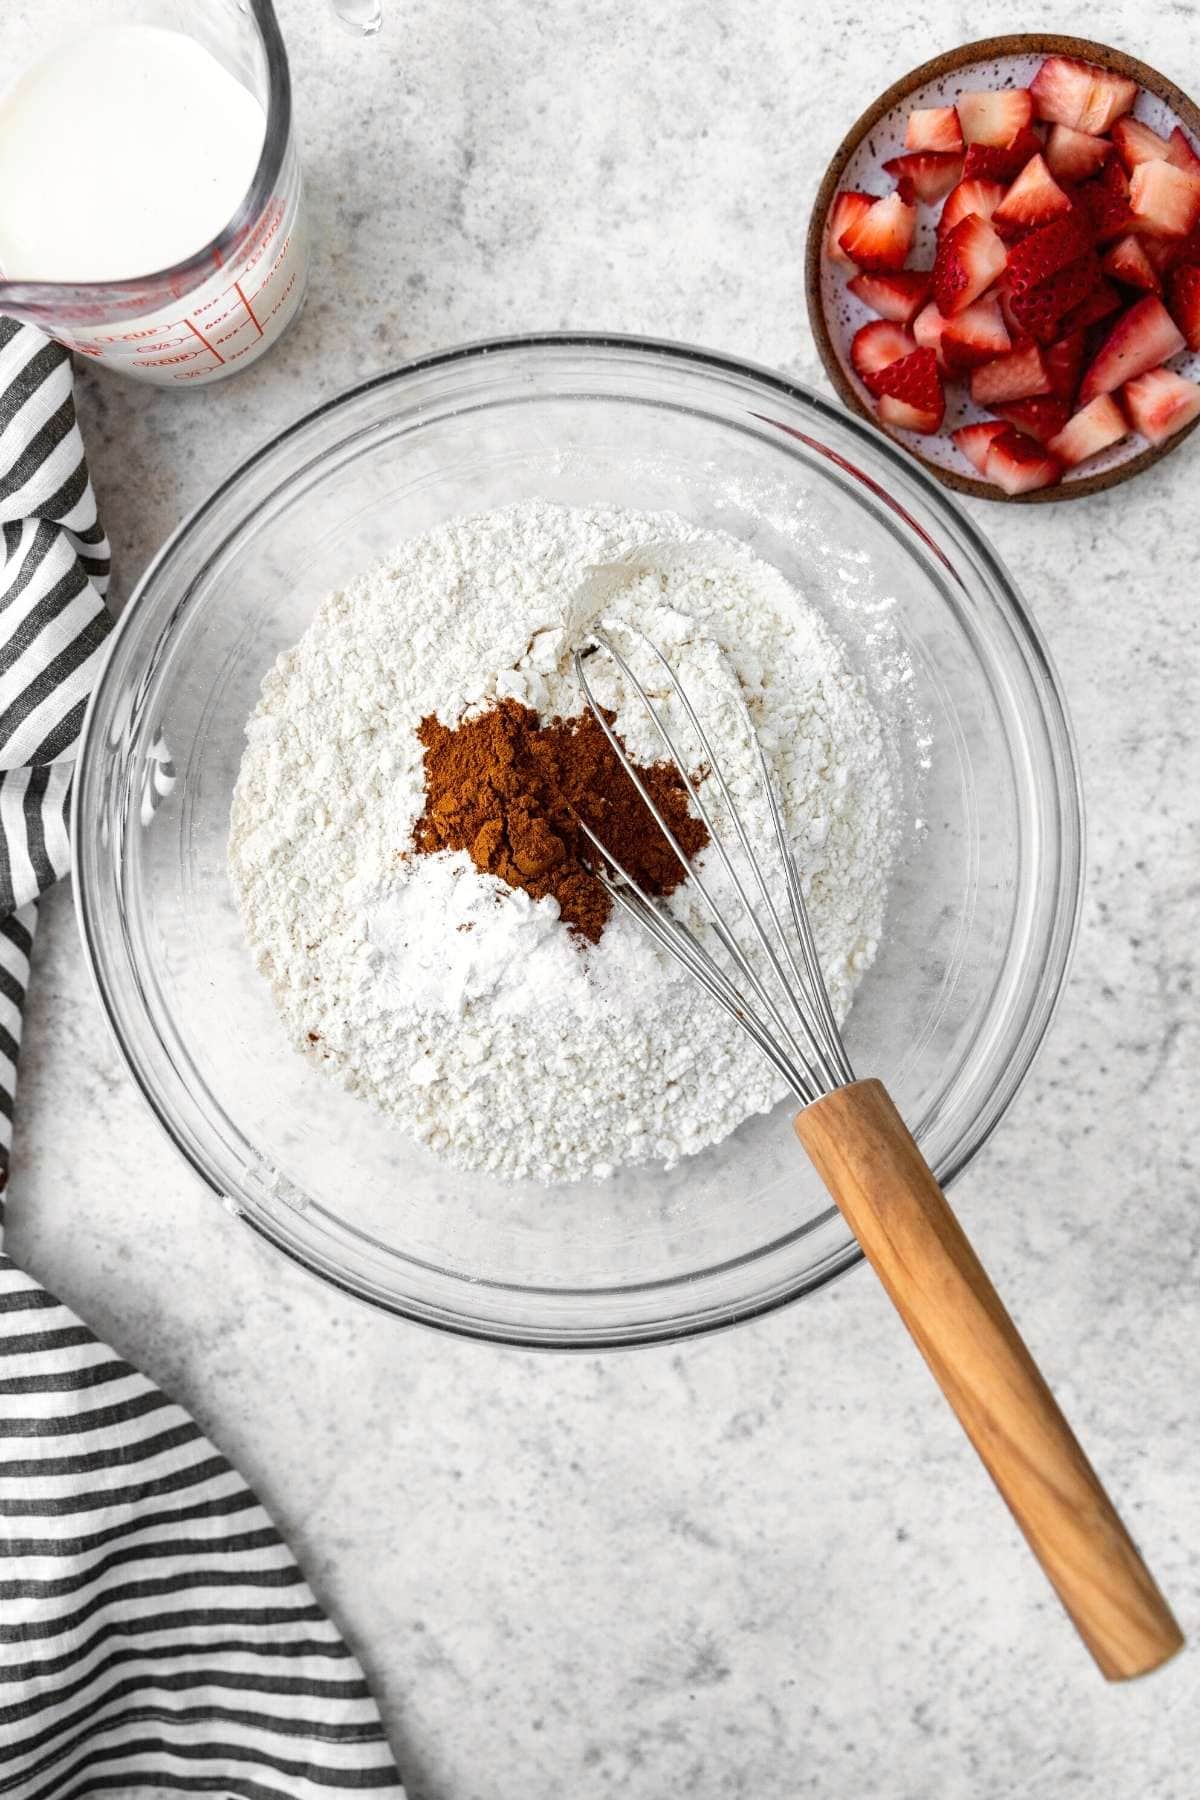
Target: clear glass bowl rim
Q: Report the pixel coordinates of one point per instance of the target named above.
(1028, 1031)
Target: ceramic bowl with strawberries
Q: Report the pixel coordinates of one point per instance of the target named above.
(1004, 267)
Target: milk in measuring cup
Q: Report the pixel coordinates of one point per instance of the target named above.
(123, 152)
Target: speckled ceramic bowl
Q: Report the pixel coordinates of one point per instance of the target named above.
(835, 314)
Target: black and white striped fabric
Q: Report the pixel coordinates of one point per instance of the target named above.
(156, 1634)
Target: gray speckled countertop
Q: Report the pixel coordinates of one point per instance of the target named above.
(763, 1565)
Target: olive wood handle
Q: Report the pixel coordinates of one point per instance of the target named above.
(864, 1154)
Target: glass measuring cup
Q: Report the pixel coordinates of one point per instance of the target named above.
(231, 299)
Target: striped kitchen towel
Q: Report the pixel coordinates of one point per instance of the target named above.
(155, 1632)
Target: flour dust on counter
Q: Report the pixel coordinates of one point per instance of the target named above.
(404, 853)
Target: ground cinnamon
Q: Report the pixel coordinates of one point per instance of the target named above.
(512, 791)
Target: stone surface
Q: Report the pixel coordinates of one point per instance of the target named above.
(761, 1565)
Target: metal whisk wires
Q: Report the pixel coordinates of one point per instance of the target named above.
(782, 1004)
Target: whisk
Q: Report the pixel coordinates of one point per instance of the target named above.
(877, 1176)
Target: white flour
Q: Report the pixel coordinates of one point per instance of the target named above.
(467, 1012)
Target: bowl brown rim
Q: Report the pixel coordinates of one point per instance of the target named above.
(982, 50)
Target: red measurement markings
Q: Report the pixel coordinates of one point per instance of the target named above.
(248, 307)
(204, 340)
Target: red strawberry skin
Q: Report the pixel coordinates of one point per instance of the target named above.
(1039, 310)
(1001, 162)
(914, 379)
(1185, 303)
(1099, 304)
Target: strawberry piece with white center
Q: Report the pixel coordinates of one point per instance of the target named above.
(1001, 162)
(1095, 427)
(909, 393)
(1181, 153)
(876, 345)
(929, 174)
(1185, 304)
(934, 128)
(994, 115)
(976, 335)
(927, 328)
(1078, 94)
(1017, 376)
(1127, 261)
(1136, 143)
(882, 237)
(1141, 339)
(1018, 464)
(1164, 199)
(976, 440)
(1161, 403)
(847, 209)
(969, 259)
(1039, 418)
(893, 296)
(1034, 199)
(1073, 155)
(978, 197)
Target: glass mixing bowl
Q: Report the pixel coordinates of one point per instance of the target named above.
(982, 910)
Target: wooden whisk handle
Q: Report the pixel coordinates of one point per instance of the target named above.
(863, 1152)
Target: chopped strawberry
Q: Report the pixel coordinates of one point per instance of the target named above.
(969, 258)
(1072, 155)
(1080, 95)
(1127, 261)
(1047, 250)
(995, 115)
(975, 335)
(1141, 339)
(910, 393)
(1099, 304)
(876, 345)
(978, 197)
(1164, 199)
(1016, 330)
(1185, 303)
(1040, 417)
(882, 237)
(1016, 376)
(1107, 210)
(1064, 360)
(975, 441)
(929, 173)
(1136, 143)
(927, 328)
(900, 296)
(1041, 309)
(1094, 428)
(1034, 198)
(1019, 465)
(1001, 162)
(1161, 403)
(1181, 153)
(934, 128)
(847, 209)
